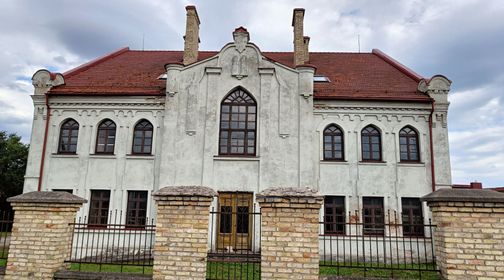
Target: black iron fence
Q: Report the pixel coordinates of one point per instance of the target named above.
(235, 243)
(112, 247)
(390, 248)
(6, 219)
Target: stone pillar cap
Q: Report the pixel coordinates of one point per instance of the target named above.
(47, 197)
(185, 191)
(464, 195)
(289, 192)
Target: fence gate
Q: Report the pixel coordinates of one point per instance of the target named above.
(234, 238)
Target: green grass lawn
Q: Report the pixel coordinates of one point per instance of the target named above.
(3, 262)
(400, 271)
(126, 268)
(230, 270)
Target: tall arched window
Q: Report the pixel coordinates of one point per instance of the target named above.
(237, 135)
(333, 143)
(371, 144)
(408, 144)
(105, 139)
(142, 138)
(69, 134)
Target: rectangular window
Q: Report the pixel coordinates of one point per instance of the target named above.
(136, 213)
(99, 208)
(334, 215)
(412, 217)
(63, 190)
(373, 216)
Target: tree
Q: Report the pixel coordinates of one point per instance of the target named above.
(13, 158)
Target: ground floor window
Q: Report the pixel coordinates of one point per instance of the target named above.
(373, 216)
(99, 208)
(412, 217)
(136, 213)
(334, 215)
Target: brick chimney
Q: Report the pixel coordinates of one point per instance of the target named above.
(191, 38)
(301, 53)
(476, 185)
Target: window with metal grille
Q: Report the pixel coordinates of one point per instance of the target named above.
(68, 137)
(225, 219)
(371, 144)
(237, 134)
(142, 138)
(105, 139)
(99, 208)
(408, 144)
(334, 215)
(373, 216)
(333, 143)
(412, 217)
(136, 213)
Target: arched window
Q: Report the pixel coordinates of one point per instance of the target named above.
(142, 138)
(371, 144)
(69, 134)
(237, 135)
(408, 144)
(105, 139)
(333, 143)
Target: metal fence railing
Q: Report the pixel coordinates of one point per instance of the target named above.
(6, 221)
(112, 247)
(352, 247)
(234, 244)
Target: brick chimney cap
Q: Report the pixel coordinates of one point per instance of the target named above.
(297, 10)
(192, 7)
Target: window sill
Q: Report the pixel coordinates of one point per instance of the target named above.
(236, 158)
(132, 156)
(412, 164)
(64, 155)
(102, 156)
(335, 162)
(382, 163)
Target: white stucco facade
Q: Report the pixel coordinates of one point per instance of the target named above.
(290, 124)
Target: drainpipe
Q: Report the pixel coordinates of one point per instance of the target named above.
(42, 160)
(432, 147)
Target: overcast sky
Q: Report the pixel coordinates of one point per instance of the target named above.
(463, 40)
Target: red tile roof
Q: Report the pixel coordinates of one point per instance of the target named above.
(352, 75)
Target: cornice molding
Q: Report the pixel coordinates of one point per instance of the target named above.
(368, 108)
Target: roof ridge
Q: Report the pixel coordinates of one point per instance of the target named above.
(93, 62)
(399, 66)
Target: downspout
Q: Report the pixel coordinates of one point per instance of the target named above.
(42, 160)
(433, 174)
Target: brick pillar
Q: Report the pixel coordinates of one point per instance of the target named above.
(289, 233)
(41, 237)
(469, 238)
(181, 247)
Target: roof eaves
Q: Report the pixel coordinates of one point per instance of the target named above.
(396, 64)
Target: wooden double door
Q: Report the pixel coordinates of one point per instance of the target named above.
(235, 220)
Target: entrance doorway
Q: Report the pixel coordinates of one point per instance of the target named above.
(235, 221)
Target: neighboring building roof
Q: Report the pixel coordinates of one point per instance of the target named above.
(352, 75)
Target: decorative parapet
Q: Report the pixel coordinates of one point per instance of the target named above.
(43, 80)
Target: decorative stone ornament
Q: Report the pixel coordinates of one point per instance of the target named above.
(241, 38)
